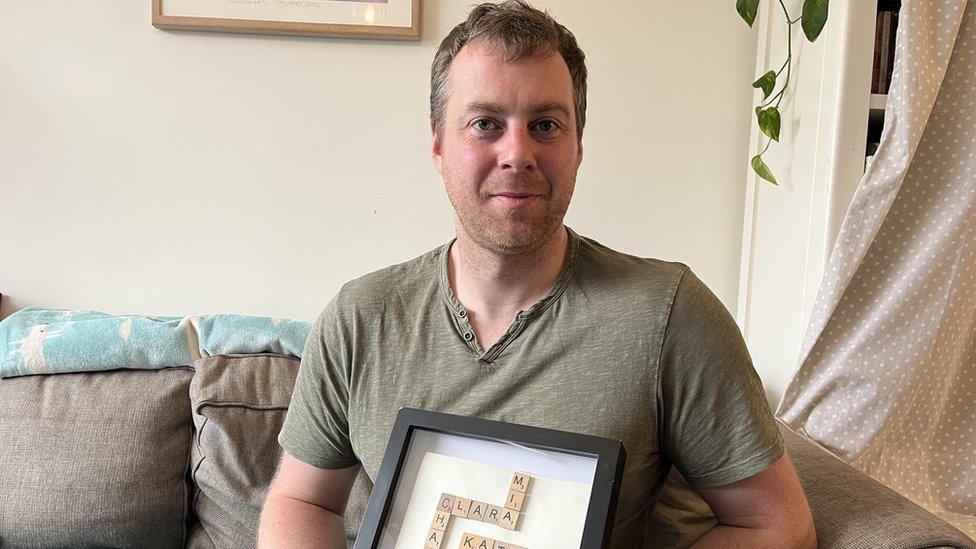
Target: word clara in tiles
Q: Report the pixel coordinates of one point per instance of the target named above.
(506, 515)
(451, 502)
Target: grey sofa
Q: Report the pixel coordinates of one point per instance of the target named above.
(183, 457)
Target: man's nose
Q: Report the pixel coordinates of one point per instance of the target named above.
(517, 150)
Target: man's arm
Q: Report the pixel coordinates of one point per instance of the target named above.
(305, 505)
(767, 509)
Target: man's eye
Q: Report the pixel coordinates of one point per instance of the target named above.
(484, 124)
(546, 126)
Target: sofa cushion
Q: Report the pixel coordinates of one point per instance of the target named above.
(680, 516)
(852, 510)
(239, 403)
(95, 459)
(356, 506)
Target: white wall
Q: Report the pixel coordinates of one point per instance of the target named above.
(168, 172)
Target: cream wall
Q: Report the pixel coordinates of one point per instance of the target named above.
(165, 172)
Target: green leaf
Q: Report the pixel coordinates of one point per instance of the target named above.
(814, 18)
(766, 82)
(747, 9)
(762, 170)
(769, 122)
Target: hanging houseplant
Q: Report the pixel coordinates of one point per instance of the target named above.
(812, 21)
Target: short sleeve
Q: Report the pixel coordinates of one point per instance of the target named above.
(716, 426)
(316, 427)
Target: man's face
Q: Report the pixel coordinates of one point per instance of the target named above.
(508, 151)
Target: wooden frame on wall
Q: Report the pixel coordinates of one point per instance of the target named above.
(377, 19)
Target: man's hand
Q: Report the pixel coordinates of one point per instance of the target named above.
(767, 509)
(304, 506)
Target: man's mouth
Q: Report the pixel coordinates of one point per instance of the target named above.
(514, 198)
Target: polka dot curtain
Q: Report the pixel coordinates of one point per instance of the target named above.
(887, 376)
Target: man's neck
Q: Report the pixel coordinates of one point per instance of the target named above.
(494, 287)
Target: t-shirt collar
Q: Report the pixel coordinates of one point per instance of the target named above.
(565, 276)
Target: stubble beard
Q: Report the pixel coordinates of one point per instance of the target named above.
(521, 230)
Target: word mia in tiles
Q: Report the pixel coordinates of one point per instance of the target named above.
(506, 516)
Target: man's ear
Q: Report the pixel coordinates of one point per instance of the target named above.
(435, 147)
(579, 153)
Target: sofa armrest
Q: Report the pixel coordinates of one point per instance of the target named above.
(851, 509)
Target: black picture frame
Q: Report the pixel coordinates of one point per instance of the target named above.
(609, 454)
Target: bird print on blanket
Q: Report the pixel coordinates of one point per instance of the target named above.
(43, 341)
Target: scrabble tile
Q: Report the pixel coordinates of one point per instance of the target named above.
(520, 482)
(461, 506)
(492, 514)
(441, 520)
(471, 541)
(509, 519)
(434, 539)
(515, 500)
(446, 503)
(477, 510)
(507, 545)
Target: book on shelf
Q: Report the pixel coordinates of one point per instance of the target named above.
(885, 31)
(878, 31)
(891, 49)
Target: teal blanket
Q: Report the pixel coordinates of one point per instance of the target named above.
(45, 341)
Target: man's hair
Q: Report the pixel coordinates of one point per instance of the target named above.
(520, 31)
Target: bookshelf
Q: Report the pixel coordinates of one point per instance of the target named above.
(829, 119)
(886, 26)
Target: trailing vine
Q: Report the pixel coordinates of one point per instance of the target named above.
(812, 20)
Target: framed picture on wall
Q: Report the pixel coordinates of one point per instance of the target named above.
(382, 19)
(455, 481)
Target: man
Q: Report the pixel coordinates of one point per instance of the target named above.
(520, 319)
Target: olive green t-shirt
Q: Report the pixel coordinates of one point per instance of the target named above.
(629, 348)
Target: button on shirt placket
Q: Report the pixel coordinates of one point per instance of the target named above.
(467, 333)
